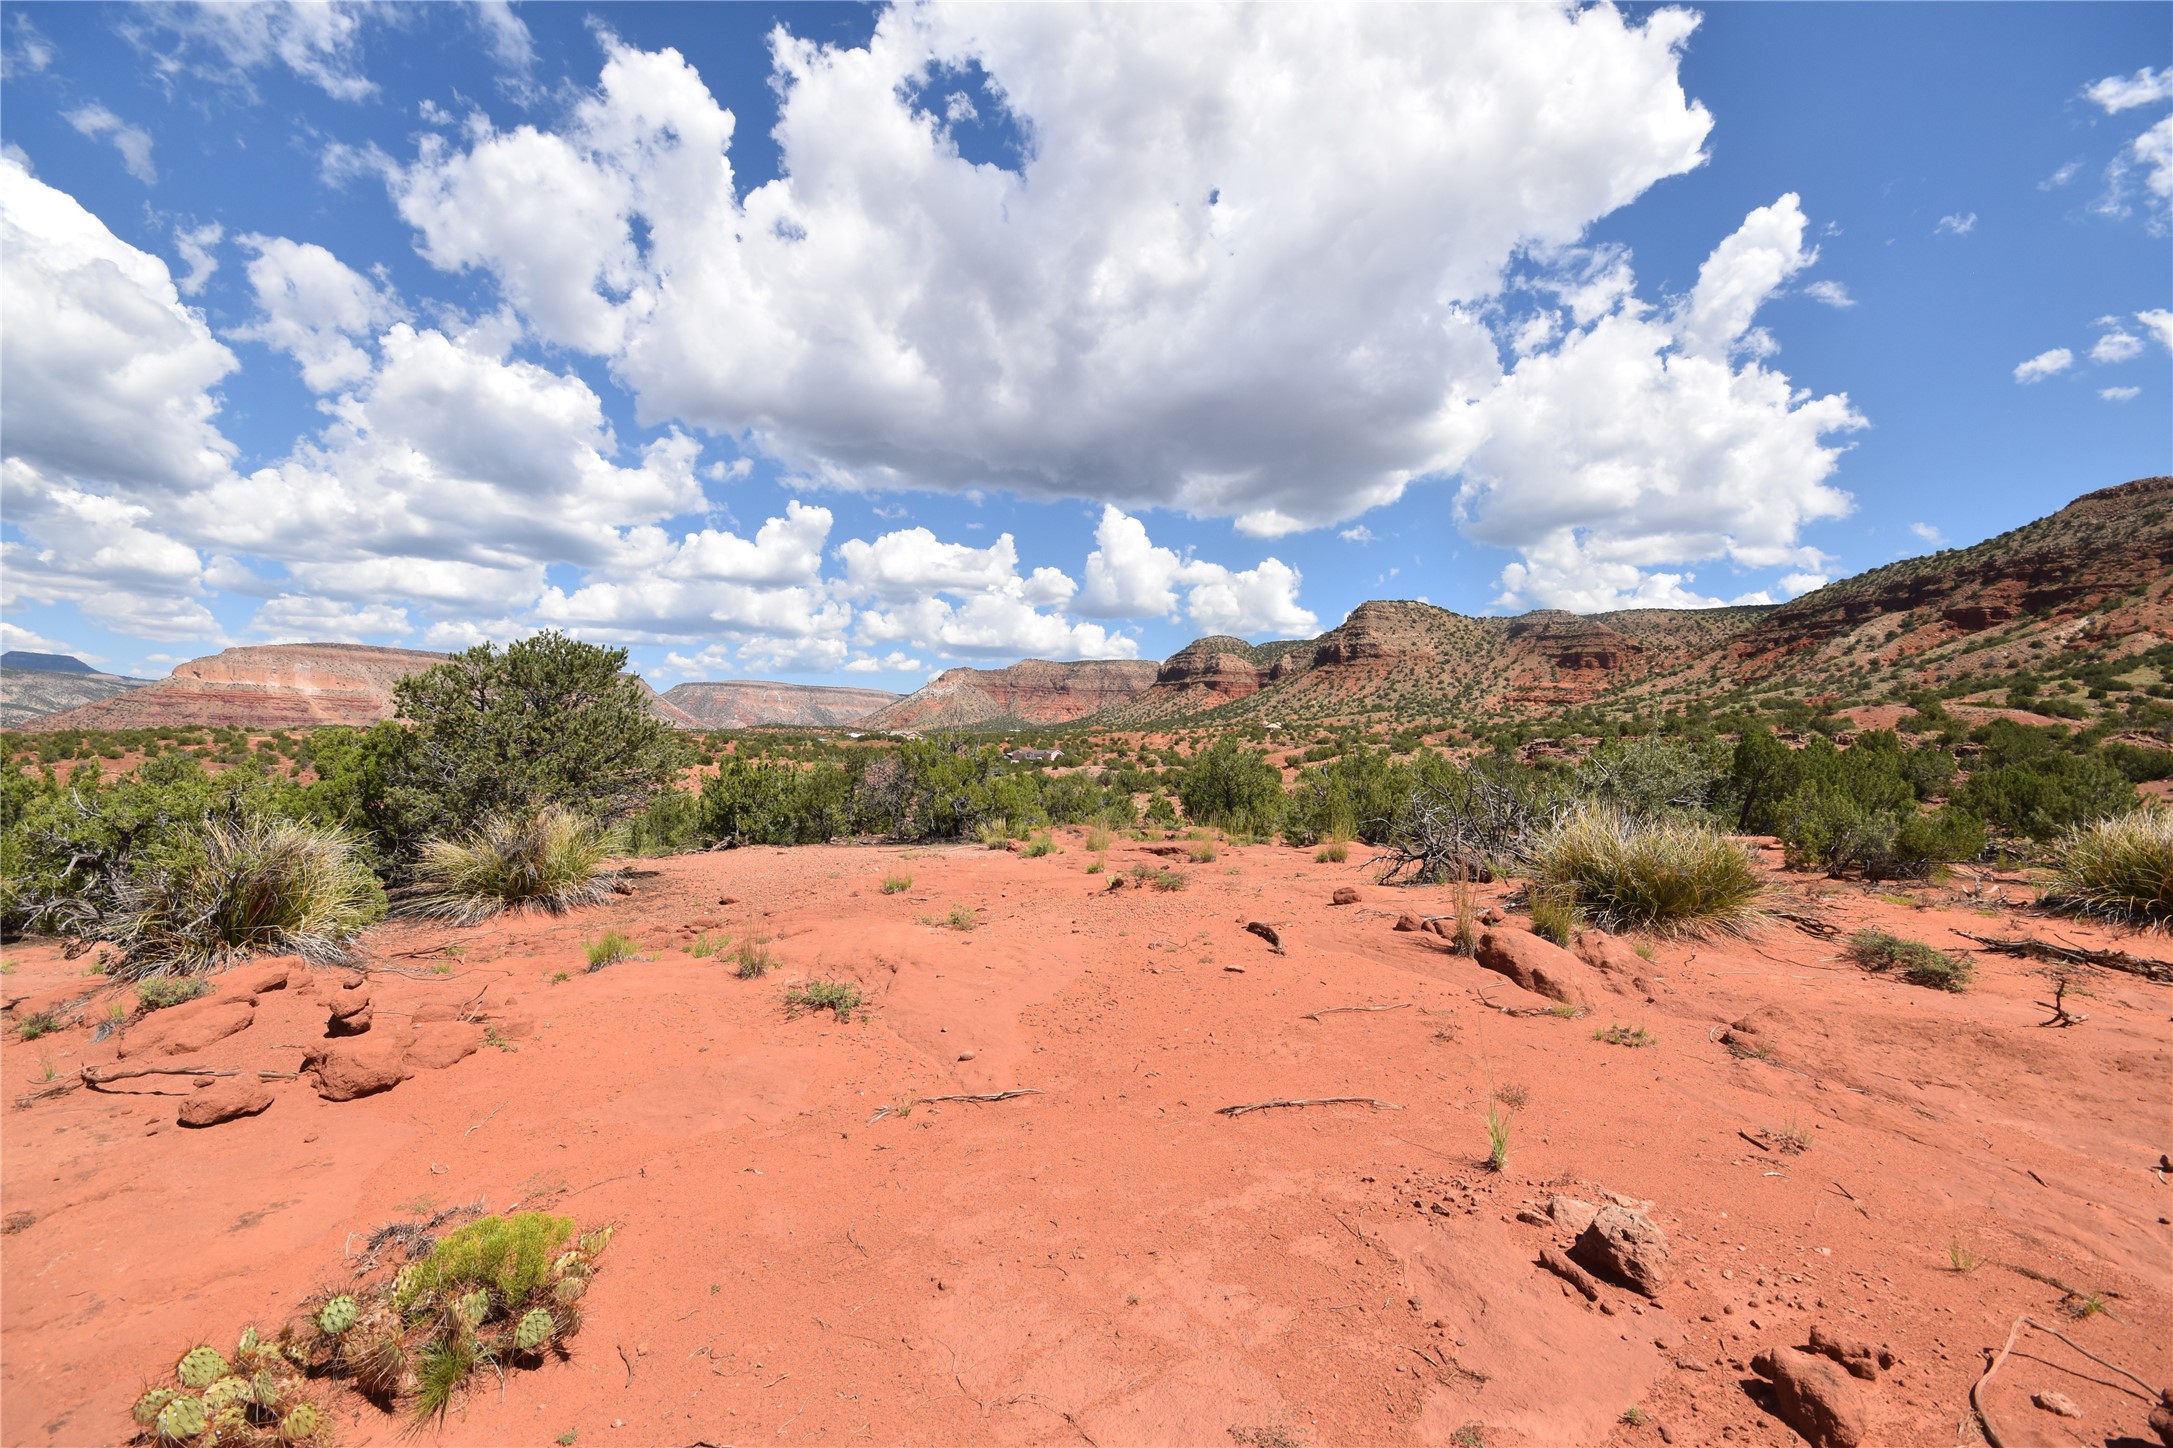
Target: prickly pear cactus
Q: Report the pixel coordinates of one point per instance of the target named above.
(473, 1308)
(302, 1423)
(182, 1419)
(149, 1406)
(570, 1262)
(336, 1316)
(569, 1290)
(231, 1425)
(249, 1343)
(534, 1330)
(264, 1391)
(200, 1367)
(225, 1393)
(595, 1242)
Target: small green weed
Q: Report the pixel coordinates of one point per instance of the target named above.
(1633, 1417)
(1471, 1435)
(1040, 845)
(43, 1023)
(1959, 1256)
(560, 977)
(1565, 1012)
(897, 884)
(567, 1438)
(2079, 1305)
(1097, 867)
(612, 948)
(1497, 1136)
(1621, 1035)
(155, 993)
(840, 997)
(1166, 880)
(1918, 963)
(705, 945)
(493, 1037)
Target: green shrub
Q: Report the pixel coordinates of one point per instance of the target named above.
(1233, 788)
(1917, 963)
(1665, 877)
(1097, 840)
(1166, 880)
(823, 995)
(2121, 867)
(545, 861)
(1654, 777)
(765, 802)
(1335, 852)
(611, 948)
(275, 886)
(1203, 852)
(897, 884)
(1039, 846)
(156, 992)
(508, 1256)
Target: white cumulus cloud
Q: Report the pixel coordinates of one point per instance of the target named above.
(314, 307)
(2117, 93)
(2044, 364)
(2120, 394)
(132, 141)
(2116, 346)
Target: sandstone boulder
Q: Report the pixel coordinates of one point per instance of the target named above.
(184, 1029)
(1409, 922)
(364, 1066)
(255, 979)
(1860, 1358)
(226, 1101)
(1616, 961)
(1540, 966)
(437, 1046)
(1628, 1247)
(1571, 1215)
(1344, 895)
(1814, 1397)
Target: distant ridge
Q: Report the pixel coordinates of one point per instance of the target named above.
(45, 663)
(746, 703)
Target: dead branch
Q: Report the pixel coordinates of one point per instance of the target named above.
(1808, 924)
(1268, 933)
(1976, 1389)
(1331, 1010)
(896, 1110)
(1307, 1101)
(2157, 971)
(1569, 1272)
(97, 1080)
(1480, 995)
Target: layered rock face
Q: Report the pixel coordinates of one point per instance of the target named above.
(269, 686)
(27, 694)
(744, 703)
(1033, 691)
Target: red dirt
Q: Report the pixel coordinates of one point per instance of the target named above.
(1111, 1261)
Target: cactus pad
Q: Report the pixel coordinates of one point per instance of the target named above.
(569, 1290)
(182, 1419)
(231, 1425)
(570, 1262)
(225, 1393)
(249, 1343)
(302, 1423)
(150, 1404)
(595, 1242)
(473, 1308)
(200, 1367)
(336, 1316)
(534, 1331)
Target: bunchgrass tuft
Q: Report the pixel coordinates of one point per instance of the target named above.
(1097, 840)
(613, 947)
(1621, 1035)
(1497, 1135)
(754, 958)
(1917, 963)
(1039, 845)
(1667, 877)
(2121, 867)
(840, 997)
(546, 861)
(702, 947)
(1554, 916)
(275, 886)
(1203, 852)
(897, 884)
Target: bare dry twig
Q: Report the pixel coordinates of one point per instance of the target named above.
(898, 1110)
(2157, 971)
(1307, 1101)
(1332, 1010)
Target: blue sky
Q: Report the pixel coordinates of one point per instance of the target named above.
(848, 344)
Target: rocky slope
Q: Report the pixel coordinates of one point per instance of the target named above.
(744, 703)
(269, 686)
(25, 694)
(2095, 576)
(1033, 691)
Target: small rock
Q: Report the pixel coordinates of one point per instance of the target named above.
(1531, 1218)
(1571, 1215)
(1409, 922)
(1814, 1397)
(727, 900)
(1860, 1358)
(347, 1069)
(1569, 1272)
(185, 1029)
(224, 1103)
(965, 1055)
(1627, 1246)
(1235, 969)
(1344, 895)
(2161, 1418)
(256, 980)
(1492, 915)
(2059, 1403)
(1540, 966)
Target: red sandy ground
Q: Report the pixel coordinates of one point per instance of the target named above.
(1111, 1261)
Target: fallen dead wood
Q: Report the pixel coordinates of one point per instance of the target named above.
(1569, 1272)
(1566, 1011)
(1268, 933)
(1332, 1010)
(1307, 1101)
(1976, 1389)
(2158, 971)
(902, 1109)
(1809, 924)
(95, 1078)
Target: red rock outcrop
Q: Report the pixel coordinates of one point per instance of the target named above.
(745, 703)
(1032, 691)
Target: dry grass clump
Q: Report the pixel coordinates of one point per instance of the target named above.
(278, 886)
(2121, 867)
(613, 947)
(1918, 963)
(1668, 877)
(545, 861)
